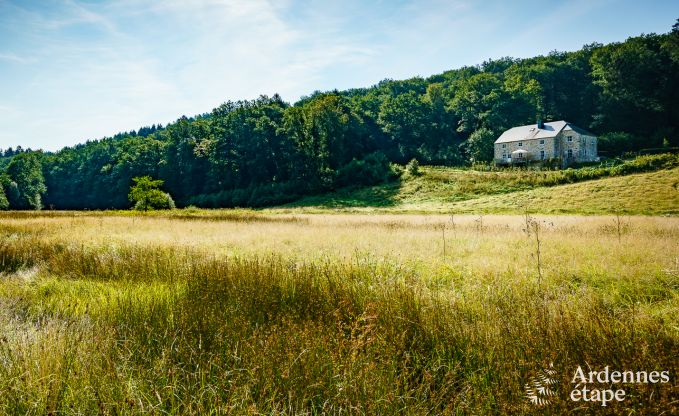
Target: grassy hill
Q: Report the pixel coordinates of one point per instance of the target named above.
(654, 193)
(439, 189)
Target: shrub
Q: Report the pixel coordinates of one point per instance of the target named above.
(4, 203)
(146, 195)
(372, 170)
(413, 168)
(479, 146)
(254, 195)
(4, 185)
(617, 143)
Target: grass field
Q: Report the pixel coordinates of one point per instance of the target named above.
(243, 312)
(446, 190)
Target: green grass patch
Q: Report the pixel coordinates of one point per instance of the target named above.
(588, 190)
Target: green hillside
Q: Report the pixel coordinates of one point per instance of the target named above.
(267, 152)
(467, 191)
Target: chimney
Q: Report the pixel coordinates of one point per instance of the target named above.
(541, 125)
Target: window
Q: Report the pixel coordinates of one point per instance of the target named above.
(504, 146)
(504, 155)
(520, 144)
(570, 153)
(569, 138)
(542, 154)
(519, 155)
(542, 141)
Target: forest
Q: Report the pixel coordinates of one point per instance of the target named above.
(266, 151)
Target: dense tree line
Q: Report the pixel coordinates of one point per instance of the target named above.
(266, 151)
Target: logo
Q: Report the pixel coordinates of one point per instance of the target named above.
(602, 387)
(588, 384)
(540, 389)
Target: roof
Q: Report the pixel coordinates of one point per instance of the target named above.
(531, 131)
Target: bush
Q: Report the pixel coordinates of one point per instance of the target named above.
(413, 168)
(617, 143)
(372, 170)
(479, 146)
(163, 200)
(170, 202)
(254, 195)
(146, 195)
(4, 203)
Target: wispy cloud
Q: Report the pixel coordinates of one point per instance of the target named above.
(74, 69)
(10, 57)
(173, 58)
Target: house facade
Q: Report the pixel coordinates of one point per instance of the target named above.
(544, 141)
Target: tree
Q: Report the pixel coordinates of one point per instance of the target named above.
(27, 181)
(4, 203)
(326, 135)
(639, 83)
(264, 151)
(482, 101)
(480, 145)
(373, 169)
(146, 194)
(617, 143)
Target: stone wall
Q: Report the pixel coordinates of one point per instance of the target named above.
(583, 148)
(533, 146)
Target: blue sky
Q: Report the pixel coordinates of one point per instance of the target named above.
(77, 70)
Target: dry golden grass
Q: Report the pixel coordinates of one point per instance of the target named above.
(246, 312)
(484, 244)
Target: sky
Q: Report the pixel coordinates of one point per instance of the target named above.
(76, 70)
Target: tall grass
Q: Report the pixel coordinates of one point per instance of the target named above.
(139, 328)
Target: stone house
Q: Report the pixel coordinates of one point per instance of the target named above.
(543, 141)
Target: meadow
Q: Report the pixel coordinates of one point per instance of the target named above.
(283, 312)
(646, 185)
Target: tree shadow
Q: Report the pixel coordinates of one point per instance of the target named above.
(383, 195)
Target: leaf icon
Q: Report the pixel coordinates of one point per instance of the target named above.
(538, 390)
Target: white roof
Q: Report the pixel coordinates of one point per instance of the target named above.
(531, 131)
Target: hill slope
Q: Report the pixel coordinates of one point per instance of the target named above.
(460, 191)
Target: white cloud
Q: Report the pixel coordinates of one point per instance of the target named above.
(153, 62)
(10, 57)
(74, 69)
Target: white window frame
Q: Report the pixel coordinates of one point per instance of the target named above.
(520, 144)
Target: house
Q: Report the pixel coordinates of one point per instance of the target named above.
(543, 141)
